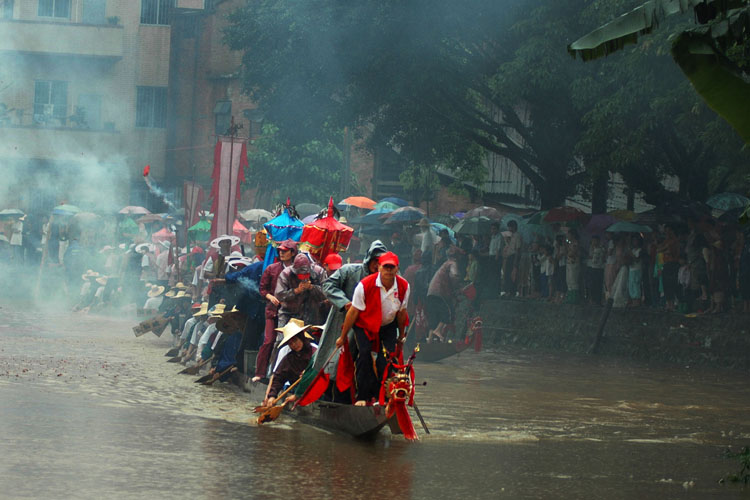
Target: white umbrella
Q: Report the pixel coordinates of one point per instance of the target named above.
(134, 210)
(255, 214)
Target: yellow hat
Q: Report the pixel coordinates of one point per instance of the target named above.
(181, 294)
(203, 310)
(291, 330)
(180, 286)
(170, 294)
(156, 290)
(89, 274)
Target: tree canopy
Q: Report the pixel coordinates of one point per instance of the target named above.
(446, 83)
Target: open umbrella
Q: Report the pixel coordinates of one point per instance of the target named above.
(163, 234)
(405, 214)
(9, 213)
(387, 205)
(489, 212)
(448, 220)
(396, 201)
(134, 210)
(437, 227)
(565, 215)
(374, 216)
(305, 209)
(200, 231)
(325, 236)
(599, 222)
(65, 210)
(536, 218)
(628, 227)
(255, 215)
(359, 202)
(728, 201)
(473, 226)
(282, 227)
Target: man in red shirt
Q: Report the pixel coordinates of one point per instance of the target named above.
(378, 317)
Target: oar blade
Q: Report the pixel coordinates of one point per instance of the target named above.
(191, 370)
(204, 379)
(270, 415)
(176, 359)
(172, 352)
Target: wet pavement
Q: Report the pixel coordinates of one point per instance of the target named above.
(89, 411)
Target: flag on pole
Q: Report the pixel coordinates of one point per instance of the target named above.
(230, 160)
(192, 199)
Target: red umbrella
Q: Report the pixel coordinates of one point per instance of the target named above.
(324, 236)
(565, 214)
(241, 231)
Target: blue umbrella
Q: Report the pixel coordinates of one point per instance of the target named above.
(405, 214)
(437, 227)
(372, 217)
(281, 228)
(727, 201)
(65, 210)
(395, 201)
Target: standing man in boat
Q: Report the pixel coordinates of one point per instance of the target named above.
(379, 318)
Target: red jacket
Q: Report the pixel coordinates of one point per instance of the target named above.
(268, 285)
(370, 319)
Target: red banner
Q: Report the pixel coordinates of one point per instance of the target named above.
(192, 200)
(230, 160)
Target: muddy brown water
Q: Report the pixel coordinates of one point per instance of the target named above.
(89, 411)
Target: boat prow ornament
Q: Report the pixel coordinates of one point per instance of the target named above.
(398, 389)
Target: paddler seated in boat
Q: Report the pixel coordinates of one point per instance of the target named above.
(378, 317)
(226, 345)
(290, 368)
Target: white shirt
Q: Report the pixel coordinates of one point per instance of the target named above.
(153, 302)
(162, 261)
(496, 244)
(205, 337)
(389, 300)
(16, 236)
(189, 324)
(198, 330)
(428, 242)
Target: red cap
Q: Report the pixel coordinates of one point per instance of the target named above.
(388, 258)
(288, 245)
(333, 260)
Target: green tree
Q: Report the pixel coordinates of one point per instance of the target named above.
(277, 165)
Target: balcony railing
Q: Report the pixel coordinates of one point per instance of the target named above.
(62, 39)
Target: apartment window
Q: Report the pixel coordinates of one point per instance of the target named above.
(223, 117)
(156, 11)
(151, 107)
(54, 8)
(50, 101)
(7, 11)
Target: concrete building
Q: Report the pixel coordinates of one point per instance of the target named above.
(83, 98)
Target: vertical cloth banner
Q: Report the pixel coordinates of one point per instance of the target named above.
(230, 161)
(192, 200)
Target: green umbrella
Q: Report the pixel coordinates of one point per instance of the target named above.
(537, 219)
(386, 205)
(727, 201)
(473, 226)
(200, 231)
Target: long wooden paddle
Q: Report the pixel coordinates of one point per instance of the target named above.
(270, 413)
(213, 378)
(173, 352)
(193, 370)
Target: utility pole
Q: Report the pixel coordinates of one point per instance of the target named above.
(233, 129)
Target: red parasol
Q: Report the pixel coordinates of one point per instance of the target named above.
(242, 232)
(565, 214)
(326, 235)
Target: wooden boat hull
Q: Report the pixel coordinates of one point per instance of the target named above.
(435, 351)
(363, 422)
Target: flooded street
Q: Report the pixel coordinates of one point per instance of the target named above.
(90, 411)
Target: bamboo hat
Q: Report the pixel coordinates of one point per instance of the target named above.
(102, 280)
(181, 295)
(203, 309)
(170, 294)
(155, 291)
(291, 330)
(181, 286)
(216, 311)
